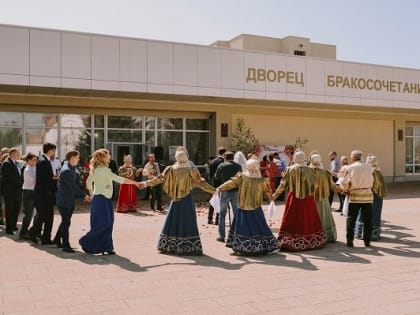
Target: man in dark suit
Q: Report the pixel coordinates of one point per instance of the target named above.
(216, 183)
(12, 189)
(67, 191)
(44, 196)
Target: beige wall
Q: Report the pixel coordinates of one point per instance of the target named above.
(325, 135)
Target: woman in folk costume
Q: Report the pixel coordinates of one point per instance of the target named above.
(379, 193)
(323, 185)
(127, 197)
(250, 233)
(240, 158)
(180, 234)
(99, 183)
(301, 227)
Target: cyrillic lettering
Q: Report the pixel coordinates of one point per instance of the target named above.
(392, 86)
(251, 76)
(406, 88)
(385, 84)
(261, 75)
(369, 84)
(281, 75)
(378, 85)
(271, 75)
(361, 83)
(289, 77)
(299, 80)
(346, 82)
(330, 80)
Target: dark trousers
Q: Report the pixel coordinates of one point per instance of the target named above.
(12, 204)
(156, 192)
(366, 210)
(44, 217)
(210, 215)
(63, 230)
(341, 197)
(28, 199)
(332, 192)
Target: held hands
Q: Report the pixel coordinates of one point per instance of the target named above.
(87, 198)
(140, 185)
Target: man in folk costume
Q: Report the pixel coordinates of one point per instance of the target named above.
(379, 192)
(357, 183)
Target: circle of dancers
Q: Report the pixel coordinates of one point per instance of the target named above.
(307, 222)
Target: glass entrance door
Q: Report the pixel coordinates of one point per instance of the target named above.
(137, 151)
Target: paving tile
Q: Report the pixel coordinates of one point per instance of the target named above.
(384, 279)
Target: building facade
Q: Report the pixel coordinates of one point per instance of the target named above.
(87, 91)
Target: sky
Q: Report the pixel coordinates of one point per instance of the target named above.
(383, 32)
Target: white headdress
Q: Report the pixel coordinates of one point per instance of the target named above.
(299, 158)
(253, 168)
(316, 161)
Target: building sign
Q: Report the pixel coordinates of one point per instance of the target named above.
(333, 81)
(371, 84)
(279, 76)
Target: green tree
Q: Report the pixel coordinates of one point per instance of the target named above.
(243, 138)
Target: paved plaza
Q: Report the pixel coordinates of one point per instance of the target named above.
(383, 279)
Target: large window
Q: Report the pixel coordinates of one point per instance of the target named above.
(86, 133)
(412, 150)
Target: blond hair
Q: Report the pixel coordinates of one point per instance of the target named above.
(99, 159)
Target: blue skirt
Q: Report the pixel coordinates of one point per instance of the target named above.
(99, 238)
(250, 233)
(180, 234)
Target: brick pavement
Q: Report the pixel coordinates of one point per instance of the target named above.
(384, 279)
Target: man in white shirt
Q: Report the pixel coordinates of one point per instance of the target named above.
(28, 196)
(357, 182)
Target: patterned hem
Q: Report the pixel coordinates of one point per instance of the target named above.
(180, 245)
(130, 207)
(255, 245)
(301, 242)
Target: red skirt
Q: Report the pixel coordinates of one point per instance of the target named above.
(127, 198)
(301, 227)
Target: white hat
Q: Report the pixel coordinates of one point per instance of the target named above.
(316, 160)
(372, 160)
(299, 158)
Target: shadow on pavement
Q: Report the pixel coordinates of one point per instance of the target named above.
(122, 262)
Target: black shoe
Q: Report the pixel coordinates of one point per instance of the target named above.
(34, 239)
(350, 244)
(47, 242)
(209, 222)
(10, 232)
(15, 228)
(367, 244)
(24, 237)
(220, 239)
(68, 250)
(58, 243)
